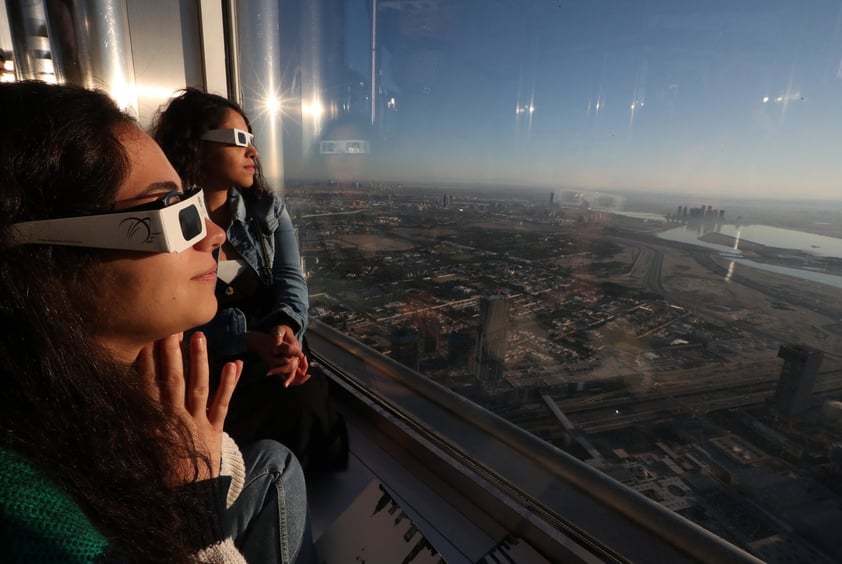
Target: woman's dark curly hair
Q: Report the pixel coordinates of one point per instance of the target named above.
(178, 128)
(82, 418)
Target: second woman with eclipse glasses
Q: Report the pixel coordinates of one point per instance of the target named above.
(262, 294)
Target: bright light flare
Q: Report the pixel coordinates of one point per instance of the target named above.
(124, 94)
(783, 98)
(272, 105)
(313, 108)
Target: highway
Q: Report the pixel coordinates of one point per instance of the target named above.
(665, 401)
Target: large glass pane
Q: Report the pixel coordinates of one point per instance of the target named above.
(616, 224)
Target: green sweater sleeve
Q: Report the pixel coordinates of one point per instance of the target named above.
(39, 522)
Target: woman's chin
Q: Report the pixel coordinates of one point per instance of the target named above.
(205, 313)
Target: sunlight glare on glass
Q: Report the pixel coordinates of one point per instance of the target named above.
(313, 108)
(272, 105)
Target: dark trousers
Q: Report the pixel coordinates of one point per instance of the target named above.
(304, 417)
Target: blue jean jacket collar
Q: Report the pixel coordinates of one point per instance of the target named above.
(253, 223)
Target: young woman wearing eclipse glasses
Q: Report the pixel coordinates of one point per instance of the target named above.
(261, 289)
(113, 448)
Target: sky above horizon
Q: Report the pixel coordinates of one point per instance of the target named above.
(710, 98)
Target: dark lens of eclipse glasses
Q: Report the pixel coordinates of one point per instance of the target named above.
(190, 222)
(242, 139)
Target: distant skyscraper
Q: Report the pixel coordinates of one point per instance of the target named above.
(404, 342)
(491, 338)
(798, 376)
(459, 348)
(429, 329)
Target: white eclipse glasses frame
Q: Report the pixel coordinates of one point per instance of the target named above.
(231, 136)
(344, 147)
(156, 227)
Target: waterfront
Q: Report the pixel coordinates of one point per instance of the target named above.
(787, 241)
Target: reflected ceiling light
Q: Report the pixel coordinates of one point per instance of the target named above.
(314, 108)
(125, 95)
(146, 91)
(785, 98)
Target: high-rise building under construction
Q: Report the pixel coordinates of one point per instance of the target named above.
(798, 376)
(491, 338)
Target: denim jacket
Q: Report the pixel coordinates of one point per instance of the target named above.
(262, 232)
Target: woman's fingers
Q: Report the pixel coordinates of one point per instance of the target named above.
(282, 334)
(196, 397)
(293, 370)
(299, 374)
(296, 380)
(284, 341)
(199, 403)
(170, 369)
(218, 408)
(303, 365)
(145, 367)
(284, 367)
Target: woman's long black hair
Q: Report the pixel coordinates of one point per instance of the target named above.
(65, 404)
(178, 128)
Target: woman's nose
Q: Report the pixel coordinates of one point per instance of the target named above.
(252, 151)
(214, 237)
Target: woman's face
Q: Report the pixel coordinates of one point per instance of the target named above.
(229, 165)
(142, 297)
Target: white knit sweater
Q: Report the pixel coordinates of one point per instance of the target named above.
(232, 465)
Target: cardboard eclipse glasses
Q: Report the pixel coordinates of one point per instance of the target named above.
(171, 224)
(232, 136)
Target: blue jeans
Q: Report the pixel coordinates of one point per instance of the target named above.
(269, 521)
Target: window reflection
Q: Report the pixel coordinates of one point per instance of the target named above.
(632, 265)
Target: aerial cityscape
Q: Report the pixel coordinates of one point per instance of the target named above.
(691, 372)
(615, 225)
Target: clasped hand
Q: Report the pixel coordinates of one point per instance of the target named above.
(280, 351)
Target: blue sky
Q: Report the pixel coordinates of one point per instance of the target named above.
(741, 97)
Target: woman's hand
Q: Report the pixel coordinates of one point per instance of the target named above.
(163, 366)
(281, 353)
